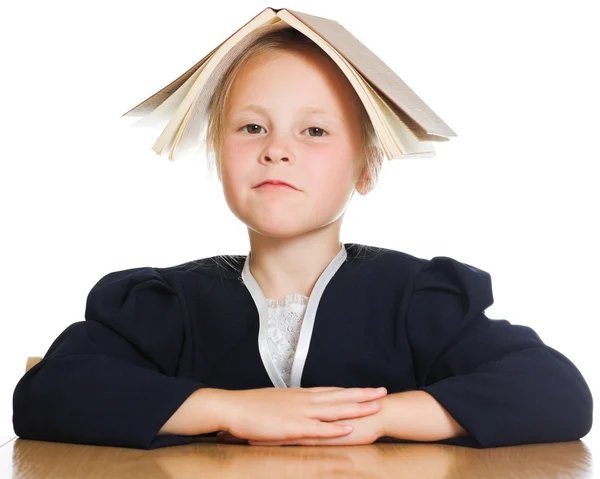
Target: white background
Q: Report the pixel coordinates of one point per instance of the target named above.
(515, 193)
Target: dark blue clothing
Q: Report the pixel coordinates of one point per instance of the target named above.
(152, 336)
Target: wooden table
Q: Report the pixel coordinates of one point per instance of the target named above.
(20, 458)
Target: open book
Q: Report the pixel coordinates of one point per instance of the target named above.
(404, 124)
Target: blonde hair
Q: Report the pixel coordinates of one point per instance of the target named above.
(284, 39)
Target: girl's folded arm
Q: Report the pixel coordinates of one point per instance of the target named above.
(498, 380)
(110, 380)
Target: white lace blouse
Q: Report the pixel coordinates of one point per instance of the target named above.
(283, 330)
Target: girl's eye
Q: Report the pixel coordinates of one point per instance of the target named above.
(253, 129)
(319, 131)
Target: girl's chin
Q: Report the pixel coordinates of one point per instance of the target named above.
(283, 228)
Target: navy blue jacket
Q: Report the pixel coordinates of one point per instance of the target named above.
(376, 317)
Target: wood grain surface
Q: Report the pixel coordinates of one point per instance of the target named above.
(22, 459)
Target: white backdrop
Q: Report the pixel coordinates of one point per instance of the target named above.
(515, 193)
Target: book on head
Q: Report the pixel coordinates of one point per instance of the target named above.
(405, 126)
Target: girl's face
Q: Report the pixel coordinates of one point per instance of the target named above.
(291, 117)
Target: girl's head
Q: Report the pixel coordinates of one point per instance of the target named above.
(285, 111)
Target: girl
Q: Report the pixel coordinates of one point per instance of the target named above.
(292, 343)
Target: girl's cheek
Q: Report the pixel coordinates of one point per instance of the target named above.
(241, 147)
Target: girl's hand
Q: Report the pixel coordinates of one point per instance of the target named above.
(284, 414)
(367, 430)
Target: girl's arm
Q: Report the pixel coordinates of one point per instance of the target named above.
(201, 413)
(417, 416)
(498, 380)
(111, 379)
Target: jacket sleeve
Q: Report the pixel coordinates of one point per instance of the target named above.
(110, 380)
(498, 380)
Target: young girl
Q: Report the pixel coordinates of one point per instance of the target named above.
(306, 340)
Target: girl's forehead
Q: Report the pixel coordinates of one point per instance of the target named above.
(278, 59)
(299, 71)
(282, 82)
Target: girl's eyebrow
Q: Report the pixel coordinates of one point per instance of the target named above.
(252, 107)
(306, 109)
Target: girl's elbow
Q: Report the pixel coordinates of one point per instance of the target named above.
(583, 412)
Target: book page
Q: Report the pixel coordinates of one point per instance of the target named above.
(165, 111)
(376, 72)
(172, 132)
(191, 132)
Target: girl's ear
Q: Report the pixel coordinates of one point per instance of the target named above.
(365, 183)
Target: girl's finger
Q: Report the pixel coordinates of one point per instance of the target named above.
(320, 389)
(351, 394)
(329, 412)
